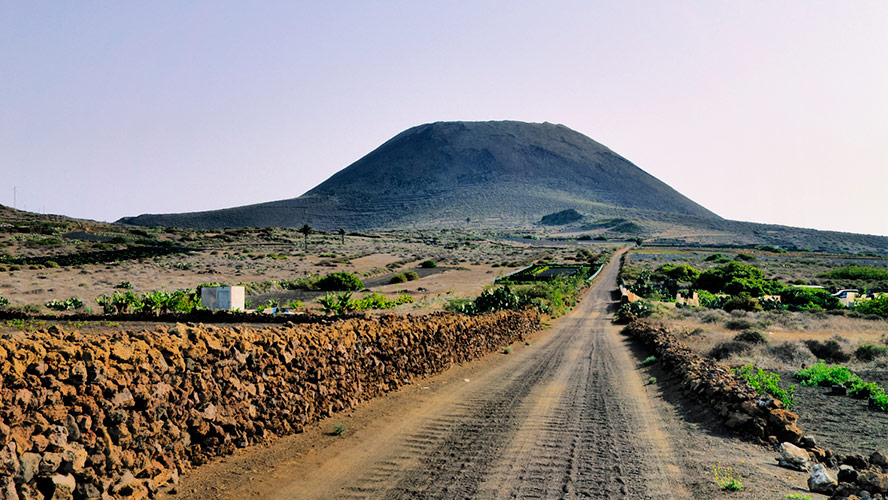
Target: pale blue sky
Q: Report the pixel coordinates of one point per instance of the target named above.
(762, 111)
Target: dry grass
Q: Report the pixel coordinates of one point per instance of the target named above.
(702, 330)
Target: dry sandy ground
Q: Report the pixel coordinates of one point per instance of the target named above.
(571, 415)
(465, 269)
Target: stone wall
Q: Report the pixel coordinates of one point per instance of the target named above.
(730, 397)
(761, 417)
(122, 413)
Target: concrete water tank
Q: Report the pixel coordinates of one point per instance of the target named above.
(228, 298)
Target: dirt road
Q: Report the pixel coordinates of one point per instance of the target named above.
(567, 417)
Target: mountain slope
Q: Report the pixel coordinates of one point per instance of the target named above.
(441, 173)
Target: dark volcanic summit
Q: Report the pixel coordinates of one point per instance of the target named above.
(440, 174)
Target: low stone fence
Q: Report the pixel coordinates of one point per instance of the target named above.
(121, 414)
(729, 396)
(764, 418)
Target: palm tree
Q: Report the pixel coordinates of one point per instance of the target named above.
(342, 235)
(306, 230)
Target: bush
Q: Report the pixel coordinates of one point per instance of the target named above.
(498, 299)
(854, 272)
(767, 383)
(338, 304)
(4, 302)
(823, 374)
(829, 350)
(428, 264)
(341, 281)
(713, 317)
(555, 297)
(715, 279)
(863, 389)
(681, 272)
(404, 277)
(751, 337)
(739, 324)
(742, 302)
(877, 306)
(630, 311)
(727, 349)
(64, 305)
(377, 301)
(868, 351)
(789, 352)
(805, 299)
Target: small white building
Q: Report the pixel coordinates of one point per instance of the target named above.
(847, 296)
(228, 298)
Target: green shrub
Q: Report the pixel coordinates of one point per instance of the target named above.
(53, 264)
(124, 285)
(338, 304)
(649, 360)
(338, 429)
(341, 281)
(497, 299)
(119, 302)
(804, 299)
(554, 297)
(64, 305)
(868, 351)
(682, 272)
(742, 302)
(630, 311)
(863, 389)
(854, 272)
(4, 302)
(710, 300)
(823, 374)
(717, 257)
(377, 301)
(881, 400)
(877, 306)
(735, 277)
(428, 264)
(727, 479)
(765, 382)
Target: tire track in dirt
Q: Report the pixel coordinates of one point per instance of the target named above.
(565, 423)
(450, 456)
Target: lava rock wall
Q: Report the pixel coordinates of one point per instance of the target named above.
(731, 397)
(122, 413)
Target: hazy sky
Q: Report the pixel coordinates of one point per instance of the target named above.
(761, 111)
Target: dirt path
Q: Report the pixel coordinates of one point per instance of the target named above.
(567, 417)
